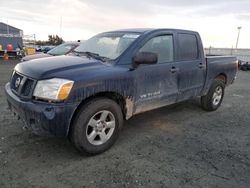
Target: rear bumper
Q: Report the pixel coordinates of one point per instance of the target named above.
(42, 117)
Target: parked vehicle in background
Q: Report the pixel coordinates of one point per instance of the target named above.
(243, 65)
(44, 49)
(112, 77)
(62, 49)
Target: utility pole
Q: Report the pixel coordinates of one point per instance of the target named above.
(239, 28)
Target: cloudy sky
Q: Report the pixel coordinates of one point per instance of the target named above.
(216, 20)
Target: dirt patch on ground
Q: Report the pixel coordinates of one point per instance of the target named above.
(176, 146)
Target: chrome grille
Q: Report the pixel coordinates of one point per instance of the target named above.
(16, 81)
(22, 85)
(27, 87)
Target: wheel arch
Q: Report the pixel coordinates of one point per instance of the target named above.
(222, 76)
(126, 104)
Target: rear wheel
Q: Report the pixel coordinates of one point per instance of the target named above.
(96, 126)
(214, 97)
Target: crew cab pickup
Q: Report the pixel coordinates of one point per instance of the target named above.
(87, 95)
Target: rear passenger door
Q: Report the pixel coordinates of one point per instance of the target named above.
(192, 67)
(156, 85)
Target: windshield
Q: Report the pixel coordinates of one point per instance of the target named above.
(108, 45)
(61, 49)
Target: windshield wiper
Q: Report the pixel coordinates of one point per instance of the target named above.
(92, 55)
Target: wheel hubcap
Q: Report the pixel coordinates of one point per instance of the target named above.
(100, 127)
(217, 96)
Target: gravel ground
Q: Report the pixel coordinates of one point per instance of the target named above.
(176, 146)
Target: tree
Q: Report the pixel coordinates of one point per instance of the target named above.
(52, 40)
(41, 43)
(55, 40)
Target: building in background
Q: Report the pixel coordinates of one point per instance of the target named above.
(10, 35)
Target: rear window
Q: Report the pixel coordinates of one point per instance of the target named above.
(188, 48)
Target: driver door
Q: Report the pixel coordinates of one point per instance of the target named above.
(156, 85)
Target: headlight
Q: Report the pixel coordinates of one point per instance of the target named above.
(55, 89)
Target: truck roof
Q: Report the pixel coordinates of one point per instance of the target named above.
(144, 30)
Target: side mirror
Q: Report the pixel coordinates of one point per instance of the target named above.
(144, 58)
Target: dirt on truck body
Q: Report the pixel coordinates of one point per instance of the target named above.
(176, 146)
(87, 95)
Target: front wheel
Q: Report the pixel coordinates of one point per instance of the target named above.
(96, 126)
(214, 97)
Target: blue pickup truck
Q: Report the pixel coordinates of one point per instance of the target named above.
(87, 95)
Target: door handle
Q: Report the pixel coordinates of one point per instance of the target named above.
(200, 65)
(174, 69)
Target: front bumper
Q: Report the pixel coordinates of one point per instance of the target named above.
(42, 117)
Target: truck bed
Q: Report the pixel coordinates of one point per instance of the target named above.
(220, 65)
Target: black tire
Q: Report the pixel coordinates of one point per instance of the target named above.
(207, 101)
(78, 132)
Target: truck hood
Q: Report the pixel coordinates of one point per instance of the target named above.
(59, 66)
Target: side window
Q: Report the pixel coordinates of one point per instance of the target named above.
(162, 46)
(188, 49)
